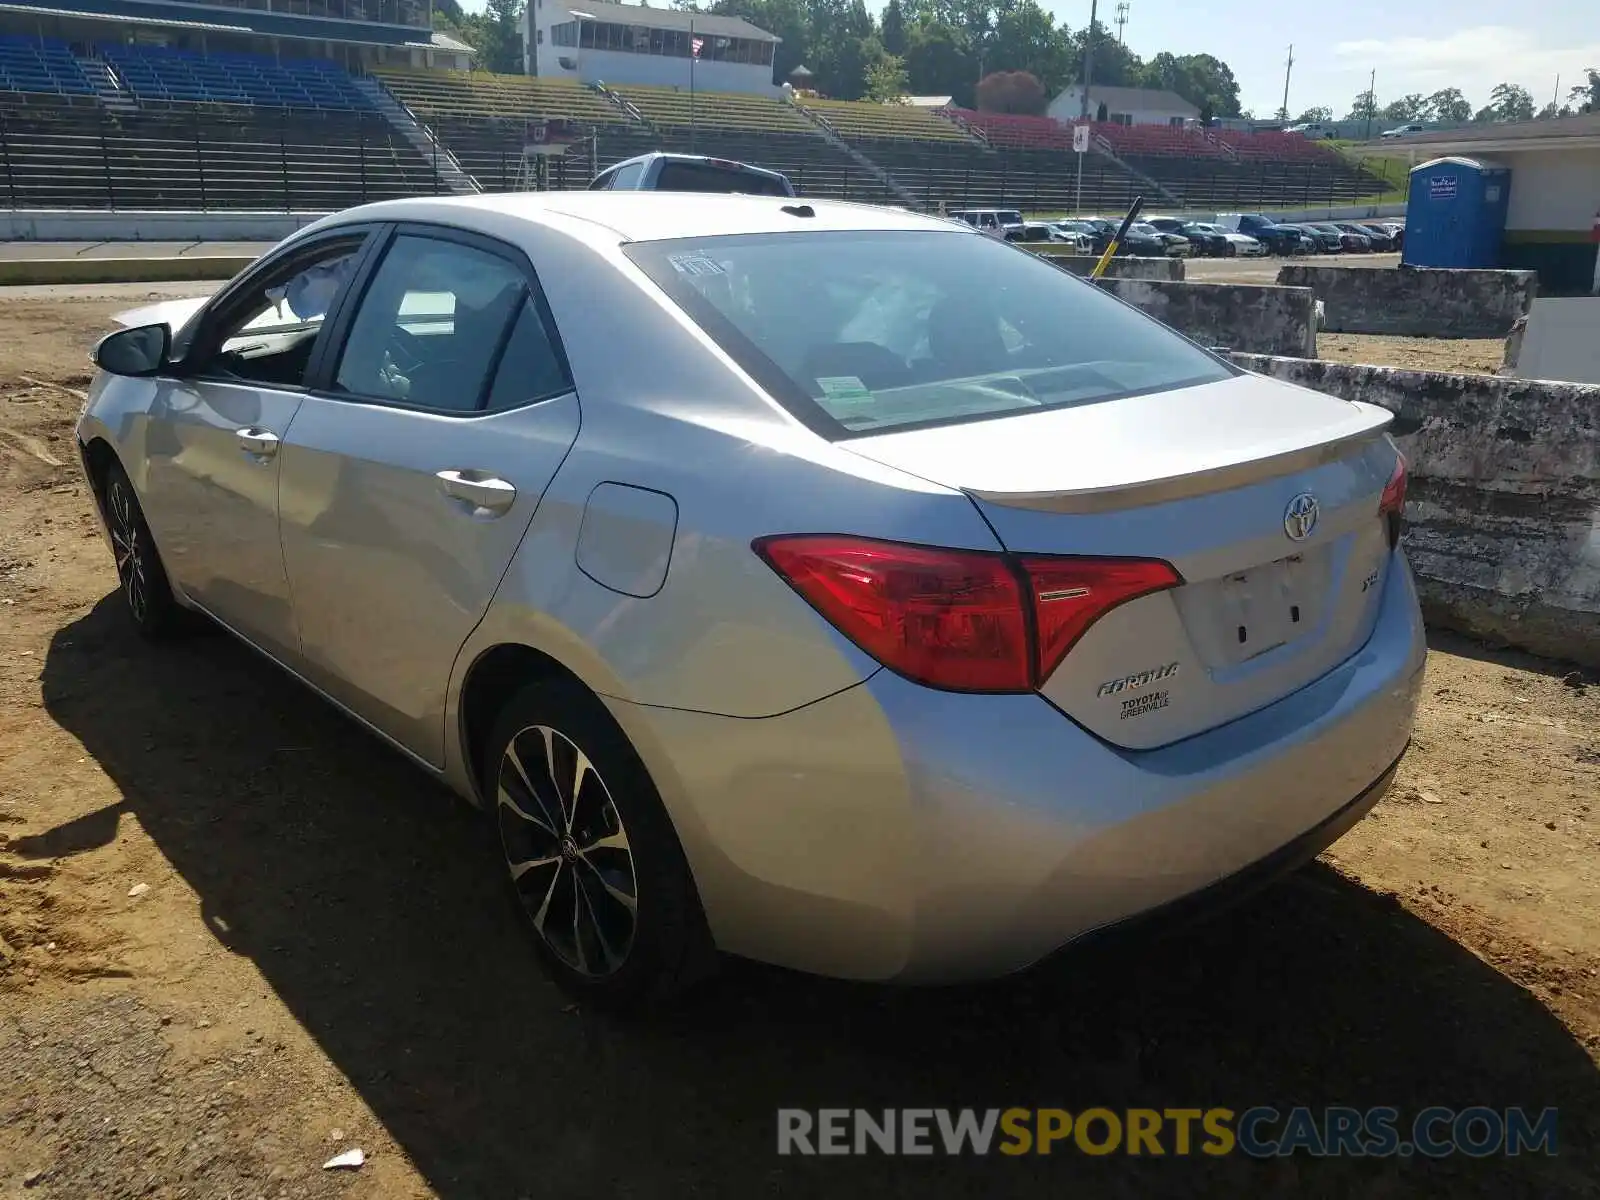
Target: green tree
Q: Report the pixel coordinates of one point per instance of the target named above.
(1585, 97)
(499, 33)
(1114, 64)
(1413, 107)
(1508, 102)
(1204, 81)
(1364, 107)
(939, 62)
(1448, 104)
(892, 28)
(1320, 115)
(886, 79)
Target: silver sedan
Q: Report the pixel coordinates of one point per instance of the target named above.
(820, 583)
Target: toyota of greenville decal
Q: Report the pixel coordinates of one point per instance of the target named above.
(1140, 705)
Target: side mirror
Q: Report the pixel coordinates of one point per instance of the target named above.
(134, 352)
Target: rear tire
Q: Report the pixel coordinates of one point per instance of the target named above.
(595, 867)
(146, 592)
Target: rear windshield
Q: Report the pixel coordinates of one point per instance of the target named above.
(860, 332)
(706, 177)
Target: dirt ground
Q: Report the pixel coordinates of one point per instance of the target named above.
(239, 936)
(1475, 355)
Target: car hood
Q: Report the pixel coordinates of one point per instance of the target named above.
(171, 313)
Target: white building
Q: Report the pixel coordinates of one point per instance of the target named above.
(594, 40)
(1124, 106)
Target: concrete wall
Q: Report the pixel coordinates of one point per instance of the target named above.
(1503, 497)
(69, 225)
(1121, 267)
(1416, 302)
(1259, 319)
(1561, 341)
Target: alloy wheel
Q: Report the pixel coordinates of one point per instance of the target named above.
(127, 541)
(567, 851)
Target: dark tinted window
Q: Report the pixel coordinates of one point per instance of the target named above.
(869, 331)
(530, 368)
(705, 177)
(430, 324)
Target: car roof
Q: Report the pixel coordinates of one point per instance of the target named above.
(645, 216)
(727, 164)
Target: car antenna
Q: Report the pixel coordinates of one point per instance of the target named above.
(799, 210)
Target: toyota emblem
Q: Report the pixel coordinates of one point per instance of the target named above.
(1300, 518)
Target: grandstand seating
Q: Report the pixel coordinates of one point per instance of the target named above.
(237, 130)
(671, 107)
(853, 119)
(40, 65)
(1023, 132)
(156, 73)
(481, 94)
(83, 157)
(1158, 141)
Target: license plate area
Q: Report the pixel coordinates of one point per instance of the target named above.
(1246, 614)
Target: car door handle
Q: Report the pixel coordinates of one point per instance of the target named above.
(255, 440)
(483, 492)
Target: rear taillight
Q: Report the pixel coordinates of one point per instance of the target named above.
(960, 620)
(1392, 507)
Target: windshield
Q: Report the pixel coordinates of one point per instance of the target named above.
(858, 332)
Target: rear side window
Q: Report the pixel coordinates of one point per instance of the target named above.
(860, 332)
(707, 177)
(431, 324)
(626, 177)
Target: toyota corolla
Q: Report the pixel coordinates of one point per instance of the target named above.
(820, 583)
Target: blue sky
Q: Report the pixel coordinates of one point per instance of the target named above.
(1415, 45)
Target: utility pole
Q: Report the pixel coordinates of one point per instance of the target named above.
(1088, 56)
(1555, 101)
(1372, 101)
(1122, 18)
(1288, 69)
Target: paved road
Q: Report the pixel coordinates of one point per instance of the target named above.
(32, 250)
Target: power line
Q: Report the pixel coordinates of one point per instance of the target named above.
(1288, 69)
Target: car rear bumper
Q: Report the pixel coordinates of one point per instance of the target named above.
(895, 832)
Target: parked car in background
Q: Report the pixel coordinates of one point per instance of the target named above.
(660, 171)
(1173, 245)
(1404, 130)
(1238, 244)
(1103, 228)
(1279, 239)
(1140, 243)
(1202, 243)
(1031, 616)
(1077, 233)
(1329, 240)
(1382, 236)
(1003, 223)
(1311, 129)
(1353, 242)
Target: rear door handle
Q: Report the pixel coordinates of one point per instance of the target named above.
(253, 439)
(486, 493)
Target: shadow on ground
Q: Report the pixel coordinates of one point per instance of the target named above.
(368, 899)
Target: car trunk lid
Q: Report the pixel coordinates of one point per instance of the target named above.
(1264, 496)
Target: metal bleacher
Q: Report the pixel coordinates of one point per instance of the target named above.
(158, 74)
(40, 66)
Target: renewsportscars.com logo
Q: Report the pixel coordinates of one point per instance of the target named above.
(1260, 1132)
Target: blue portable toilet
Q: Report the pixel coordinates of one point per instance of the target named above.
(1456, 214)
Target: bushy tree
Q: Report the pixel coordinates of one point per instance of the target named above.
(1320, 115)
(886, 79)
(1448, 104)
(1012, 92)
(1585, 97)
(1508, 102)
(1413, 107)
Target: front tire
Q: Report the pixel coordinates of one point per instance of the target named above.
(146, 592)
(594, 863)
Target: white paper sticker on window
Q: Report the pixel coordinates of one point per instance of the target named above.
(694, 264)
(844, 391)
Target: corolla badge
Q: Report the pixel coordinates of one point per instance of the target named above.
(1300, 518)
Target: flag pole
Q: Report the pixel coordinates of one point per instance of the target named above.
(692, 58)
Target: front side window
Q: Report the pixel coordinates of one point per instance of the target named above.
(433, 323)
(266, 334)
(859, 332)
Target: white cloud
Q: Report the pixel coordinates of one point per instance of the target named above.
(1473, 60)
